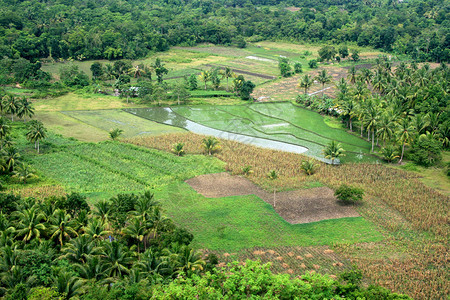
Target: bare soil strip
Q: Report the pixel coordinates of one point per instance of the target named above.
(296, 207)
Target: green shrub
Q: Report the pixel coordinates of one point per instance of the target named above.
(313, 64)
(349, 195)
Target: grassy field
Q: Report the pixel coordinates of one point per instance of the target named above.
(279, 121)
(235, 223)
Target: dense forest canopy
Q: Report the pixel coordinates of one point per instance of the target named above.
(131, 29)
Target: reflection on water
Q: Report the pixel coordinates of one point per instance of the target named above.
(167, 116)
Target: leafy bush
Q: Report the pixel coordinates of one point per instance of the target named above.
(313, 64)
(426, 151)
(349, 195)
(309, 167)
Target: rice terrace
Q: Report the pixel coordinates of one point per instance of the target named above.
(212, 158)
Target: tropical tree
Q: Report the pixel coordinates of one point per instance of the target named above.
(352, 74)
(4, 127)
(309, 167)
(306, 82)
(36, 132)
(190, 261)
(160, 70)
(227, 73)
(178, 149)
(24, 172)
(116, 259)
(389, 153)
(78, 250)
(136, 230)
(333, 151)
(10, 157)
(404, 134)
(323, 78)
(95, 228)
(211, 144)
(61, 226)
(115, 133)
(272, 176)
(29, 224)
(67, 284)
(25, 109)
(10, 105)
(205, 77)
(371, 120)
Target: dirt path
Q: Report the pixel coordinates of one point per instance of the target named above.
(296, 207)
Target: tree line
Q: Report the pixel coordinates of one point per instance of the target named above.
(134, 29)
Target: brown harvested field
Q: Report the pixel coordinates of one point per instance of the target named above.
(296, 207)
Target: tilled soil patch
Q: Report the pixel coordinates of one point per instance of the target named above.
(296, 207)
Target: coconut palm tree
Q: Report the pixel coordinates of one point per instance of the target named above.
(333, 151)
(116, 258)
(178, 149)
(323, 78)
(61, 227)
(102, 209)
(205, 77)
(24, 172)
(190, 261)
(95, 229)
(10, 105)
(10, 157)
(309, 167)
(272, 176)
(211, 144)
(25, 109)
(306, 82)
(36, 133)
(93, 269)
(67, 284)
(79, 249)
(158, 222)
(29, 224)
(389, 153)
(371, 120)
(115, 133)
(404, 133)
(386, 127)
(352, 74)
(136, 230)
(227, 73)
(4, 127)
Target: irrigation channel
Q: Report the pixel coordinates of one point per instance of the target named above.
(167, 116)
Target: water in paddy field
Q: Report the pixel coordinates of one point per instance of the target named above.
(167, 116)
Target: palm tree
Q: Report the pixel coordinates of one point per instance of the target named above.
(158, 222)
(67, 284)
(306, 82)
(389, 153)
(352, 74)
(61, 227)
(348, 108)
(36, 132)
(4, 127)
(323, 78)
(309, 167)
(10, 158)
(205, 77)
(25, 109)
(404, 133)
(178, 149)
(93, 269)
(10, 104)
(386, 127)
(29, 225)
(136, 230)
(366, 75)
(115, 133)
(24, 172)
(211, 144)
(102, 209)
(227, 73)
(116, 258)
(371, 119)
(95, 229)
(190, 261)
(272, 176)
(78, 250)
(333, 151)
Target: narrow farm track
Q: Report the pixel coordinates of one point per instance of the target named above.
(242, 72)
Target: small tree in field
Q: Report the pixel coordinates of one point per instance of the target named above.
(309, 167)
(333, 151)
(115, 133)
(178, 149)
(272, 176)
(211, 144)
(349, 195)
